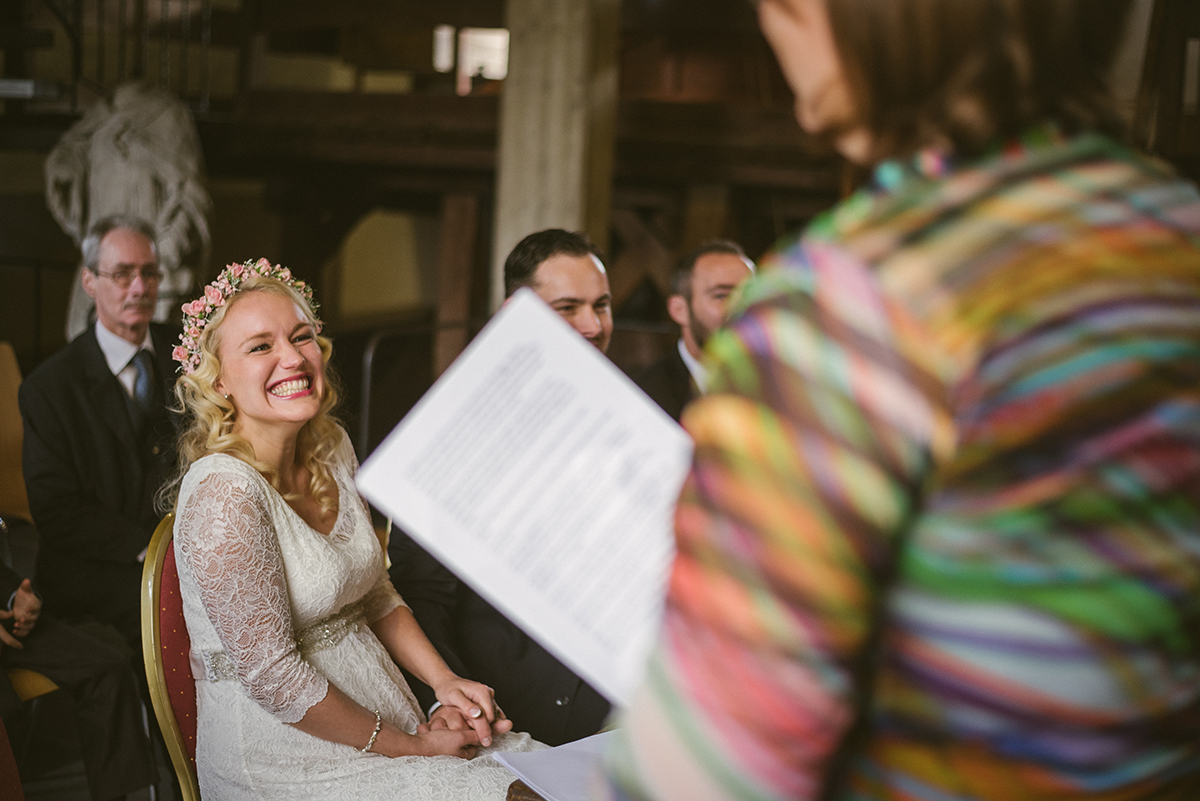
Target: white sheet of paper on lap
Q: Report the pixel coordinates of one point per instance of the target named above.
(570, 772)
(545, 479)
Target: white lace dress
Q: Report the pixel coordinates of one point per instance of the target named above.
(276, 611)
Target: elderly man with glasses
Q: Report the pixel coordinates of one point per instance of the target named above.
(99, 441)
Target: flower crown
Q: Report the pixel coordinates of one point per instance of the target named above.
(198, 313)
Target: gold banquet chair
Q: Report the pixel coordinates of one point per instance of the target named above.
(166, 647)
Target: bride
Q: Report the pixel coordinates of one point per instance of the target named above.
(296, 629)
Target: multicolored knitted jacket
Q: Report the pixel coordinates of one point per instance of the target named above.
(941, 540)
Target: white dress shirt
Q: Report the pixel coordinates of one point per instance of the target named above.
(694, 366)
(119, 354)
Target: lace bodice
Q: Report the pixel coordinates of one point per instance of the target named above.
(229, 543)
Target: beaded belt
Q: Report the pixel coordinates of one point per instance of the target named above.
(326, 633)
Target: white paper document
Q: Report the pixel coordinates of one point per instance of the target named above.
(566, 773)
(545, 479)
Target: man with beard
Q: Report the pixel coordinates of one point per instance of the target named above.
(701, 286)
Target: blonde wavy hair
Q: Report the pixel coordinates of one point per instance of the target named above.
(209, 417)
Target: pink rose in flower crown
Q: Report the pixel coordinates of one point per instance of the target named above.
(217, 294)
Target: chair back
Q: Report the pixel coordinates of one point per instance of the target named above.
(13, 500)
(166, 649)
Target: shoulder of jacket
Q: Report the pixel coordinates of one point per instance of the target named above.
(62, 368)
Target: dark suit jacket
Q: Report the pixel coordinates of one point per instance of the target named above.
(668, 383)
(91, 480)
(538, 693)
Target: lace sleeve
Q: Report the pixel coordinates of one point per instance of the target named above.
(228, 540)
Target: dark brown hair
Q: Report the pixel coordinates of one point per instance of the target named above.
(520, 268)
(974, 72)
(681, 277)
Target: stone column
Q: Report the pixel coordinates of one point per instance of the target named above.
(557, 123)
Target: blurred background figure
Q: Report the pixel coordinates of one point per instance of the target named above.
(701, 286)
(941, 539)
(136, 154)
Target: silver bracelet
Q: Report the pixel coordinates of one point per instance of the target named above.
(374, 734)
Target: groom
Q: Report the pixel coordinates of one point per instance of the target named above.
(538, 693)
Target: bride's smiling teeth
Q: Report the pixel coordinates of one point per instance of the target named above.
(291, 387)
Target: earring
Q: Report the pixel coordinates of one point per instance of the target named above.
(226, 397)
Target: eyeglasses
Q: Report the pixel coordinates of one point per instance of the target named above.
(123, 278)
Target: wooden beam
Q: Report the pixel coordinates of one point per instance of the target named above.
(456, 260)
(655, 141)
(279, 14)
(603, 99)
(706, 215)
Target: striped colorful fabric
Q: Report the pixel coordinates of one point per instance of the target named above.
(948, 475)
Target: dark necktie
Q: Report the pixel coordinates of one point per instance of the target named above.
(143, 384)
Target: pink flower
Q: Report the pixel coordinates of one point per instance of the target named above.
(193, 332)
(237, 270)
(195, 307)
(180, 353)
(286, 275)
(213, 295)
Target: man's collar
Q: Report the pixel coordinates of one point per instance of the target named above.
(117, 351)
(694, 366)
